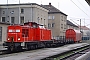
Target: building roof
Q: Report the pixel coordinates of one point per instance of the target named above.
(88, 1)
(84, 28)
(71, 24)
(52, 9)
(19, 4)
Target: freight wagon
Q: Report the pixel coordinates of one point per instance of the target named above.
(74, 35)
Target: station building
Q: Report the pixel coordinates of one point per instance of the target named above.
(19, 14)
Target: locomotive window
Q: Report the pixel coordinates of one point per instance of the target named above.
(34, 26)
(10, 31)
(25, 32)
(17, 30)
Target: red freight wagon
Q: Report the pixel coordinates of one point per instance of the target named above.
(72, 34)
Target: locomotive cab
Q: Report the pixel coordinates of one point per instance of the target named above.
(13, 34)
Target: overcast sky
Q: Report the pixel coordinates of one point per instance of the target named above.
(75, 9)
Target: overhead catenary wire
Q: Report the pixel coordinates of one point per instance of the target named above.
(74, 22)
(82, 5)
(85, 24)
(79, 8)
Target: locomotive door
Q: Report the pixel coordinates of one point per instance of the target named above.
(38, 34)
(35, 26)
(25, 35)
(34, 34)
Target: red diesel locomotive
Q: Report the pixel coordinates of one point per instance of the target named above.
(27, 36)
(32, 35)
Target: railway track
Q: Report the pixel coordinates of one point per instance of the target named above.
(17, 53)
(64, 56)
(3, 52)
(45, 51)
(77, 54)
(70, 55)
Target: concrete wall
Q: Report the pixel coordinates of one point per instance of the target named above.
(4, 32)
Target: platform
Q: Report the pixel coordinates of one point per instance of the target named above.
(85, 56)
(2, 48)
(42, 53)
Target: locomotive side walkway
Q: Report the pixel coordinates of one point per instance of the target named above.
(43, 53)
(1, 47)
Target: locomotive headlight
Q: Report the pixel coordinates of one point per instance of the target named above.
(18, 38)
(8, 38)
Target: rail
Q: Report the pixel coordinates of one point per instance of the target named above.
(68, 54)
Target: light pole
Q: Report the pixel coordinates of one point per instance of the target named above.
(80, 25)
(19, 11)
(7, 12)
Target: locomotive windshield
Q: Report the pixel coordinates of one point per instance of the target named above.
(34, 26)
(11, 30)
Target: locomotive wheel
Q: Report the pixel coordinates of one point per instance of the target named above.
(12, 48)
(36, 46)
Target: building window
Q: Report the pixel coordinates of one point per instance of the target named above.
(3, 19)
(38, 18)
(44, 21)
(64, 26)
(49, 25)
(3, 12)
(12, 19)
(12, 12)
(0, 33)
(25, 32)
(61, 25)
(62, 18)
(65, 19)
(49, 17)
(22, 19)
(53, 17)
(22, 10)
(53, 24)
(41, 20)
